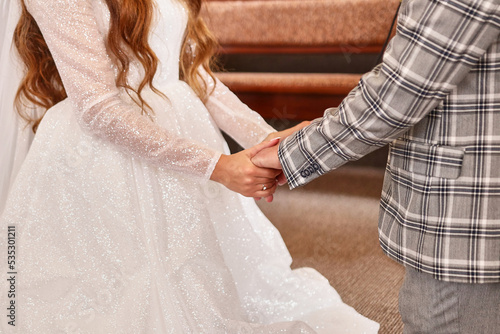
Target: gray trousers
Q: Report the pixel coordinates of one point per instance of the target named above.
(431, 306)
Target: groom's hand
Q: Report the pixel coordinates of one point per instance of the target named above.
(268, 158)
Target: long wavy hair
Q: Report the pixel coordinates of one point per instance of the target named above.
(130, 25)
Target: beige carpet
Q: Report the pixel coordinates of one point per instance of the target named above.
(331, 225)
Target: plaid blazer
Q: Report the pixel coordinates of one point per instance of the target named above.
(436, 100)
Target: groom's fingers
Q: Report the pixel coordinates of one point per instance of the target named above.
(266, 174)
(282, 179)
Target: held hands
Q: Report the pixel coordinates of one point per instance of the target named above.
(238, 173)
(268, 157)
(254, 172)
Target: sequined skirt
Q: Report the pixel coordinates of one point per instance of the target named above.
(107, 244)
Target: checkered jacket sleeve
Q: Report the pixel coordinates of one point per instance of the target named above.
(437, 44)
(436, 100)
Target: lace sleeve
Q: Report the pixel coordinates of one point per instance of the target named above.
(234, 117)
(70, 29)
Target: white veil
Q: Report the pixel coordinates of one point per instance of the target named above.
(15, 137)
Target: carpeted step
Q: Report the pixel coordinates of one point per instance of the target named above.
(295, 58)
(349, 23)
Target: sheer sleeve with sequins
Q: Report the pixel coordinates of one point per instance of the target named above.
(234, 117)
(70, 30)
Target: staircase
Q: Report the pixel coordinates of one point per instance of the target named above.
(292, 59)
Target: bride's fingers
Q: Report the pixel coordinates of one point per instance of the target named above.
(266, 189)
(266, 173)
(267, 185)
(269, 199)
(281, 179)
(265, 180)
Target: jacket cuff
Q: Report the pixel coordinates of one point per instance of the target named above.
(307, 155)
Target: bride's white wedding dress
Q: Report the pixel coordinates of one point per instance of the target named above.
(119, 230)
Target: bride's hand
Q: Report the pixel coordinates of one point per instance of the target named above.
(238, 173)
(285, 133)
